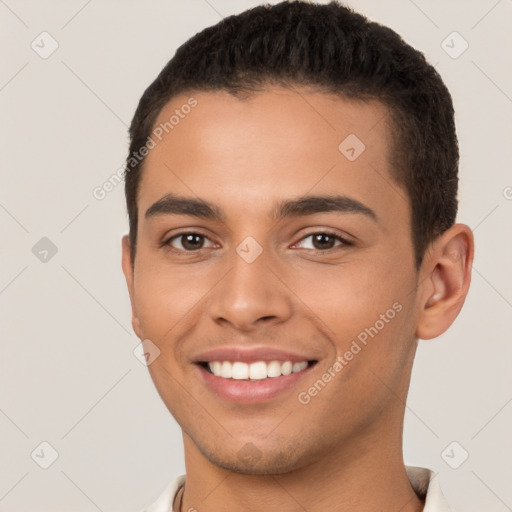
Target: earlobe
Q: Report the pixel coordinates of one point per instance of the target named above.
(127, 266)
(448, 275)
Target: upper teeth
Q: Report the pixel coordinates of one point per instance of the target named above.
(255, 371)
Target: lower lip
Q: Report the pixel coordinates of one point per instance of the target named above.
(251, 391)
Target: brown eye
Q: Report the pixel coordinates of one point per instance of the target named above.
(323, 241)
(187, 241)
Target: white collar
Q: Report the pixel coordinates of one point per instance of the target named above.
(424, 482)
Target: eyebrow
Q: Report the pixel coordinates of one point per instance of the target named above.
(171, 204)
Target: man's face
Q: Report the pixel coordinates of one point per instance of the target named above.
(277, 278)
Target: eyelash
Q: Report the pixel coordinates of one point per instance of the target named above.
(344, 242)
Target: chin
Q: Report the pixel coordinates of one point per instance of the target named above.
(250, 460)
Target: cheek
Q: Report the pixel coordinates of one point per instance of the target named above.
(350, 297)
(366, 312)
(165, 296)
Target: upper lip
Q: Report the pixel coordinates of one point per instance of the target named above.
(250, 355)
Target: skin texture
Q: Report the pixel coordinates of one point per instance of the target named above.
(342, 450)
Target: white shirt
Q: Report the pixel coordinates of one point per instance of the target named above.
(423, 481)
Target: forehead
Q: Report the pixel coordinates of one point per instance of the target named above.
(277, 142)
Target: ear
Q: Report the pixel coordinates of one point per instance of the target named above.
(128, 272)
(444, 280)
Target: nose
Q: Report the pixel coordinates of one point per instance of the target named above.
(250, 295)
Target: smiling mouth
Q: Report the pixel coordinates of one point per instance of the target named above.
(256, 371)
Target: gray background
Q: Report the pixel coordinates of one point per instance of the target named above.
(68, 375)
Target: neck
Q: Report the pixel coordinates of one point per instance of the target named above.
(366, 474)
